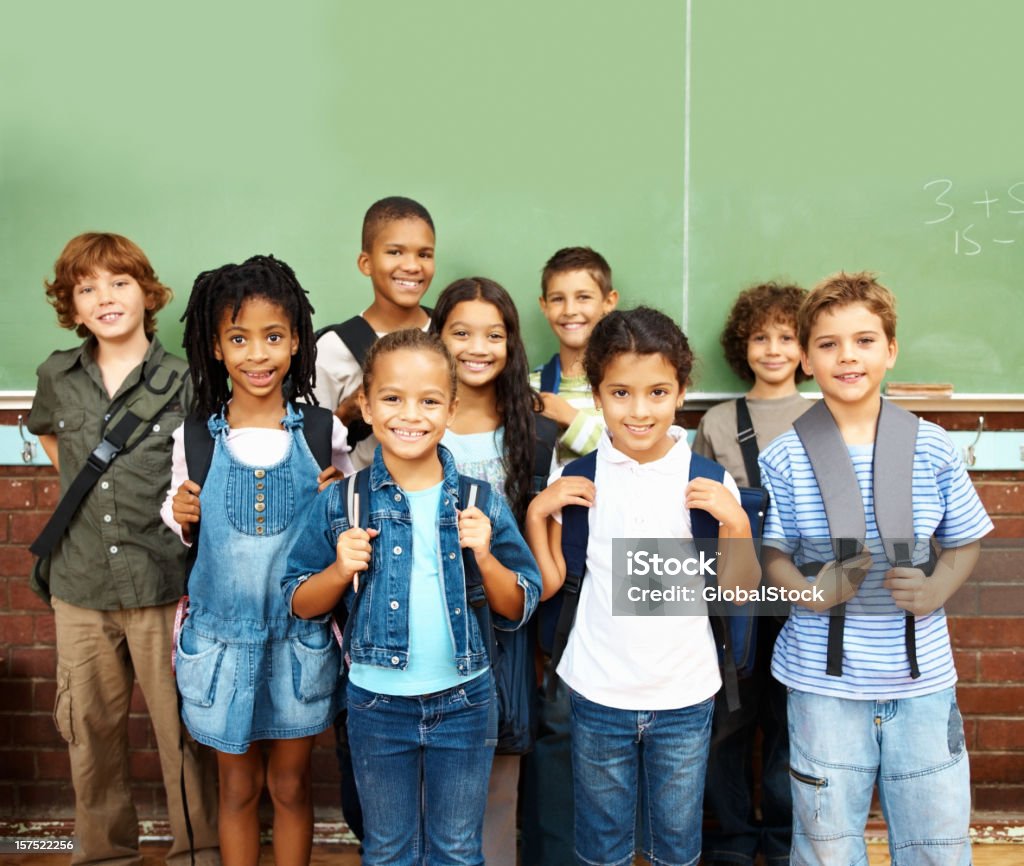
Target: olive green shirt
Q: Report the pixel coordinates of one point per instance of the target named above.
(116, 553)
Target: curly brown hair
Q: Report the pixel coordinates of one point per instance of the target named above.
(757, 307)
(89, 253)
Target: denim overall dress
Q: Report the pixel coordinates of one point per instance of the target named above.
(248, 669)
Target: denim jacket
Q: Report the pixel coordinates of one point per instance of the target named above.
(380, 633)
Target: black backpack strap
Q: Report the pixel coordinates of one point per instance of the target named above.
(551, 375)
(545, 440)
(747, 437)
(140, 413)
(357, 513)
(318, 430)
(575, 540)
(356, 333)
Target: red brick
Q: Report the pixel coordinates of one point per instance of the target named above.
(7, 799)
(5, 729)
(18, 765)
(16, 494)
(45, 628)
(4, 520)
(1007, 527)
(16, 629)
(966, 665)
(33, 662)
(999, 565)
(997, 766)
(26, 525)
(47, 493)
(1000, 735)
(1001, 497)
(36, 729)
(140, 733)
(970, 733)
(53, 764)
(44, 695)
(1007, 600)
(987, 631)
(45, 798)
(138, 703)
(20, 597)
(1002, 667)
(990, 700)
(15, 562)
(999, 798)
(145, 765)
(17, 695)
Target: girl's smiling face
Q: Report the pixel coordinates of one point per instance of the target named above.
(409, 404)
(475, 334)
(256, 347)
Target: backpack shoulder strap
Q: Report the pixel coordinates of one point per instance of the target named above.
(198, 449)
(702, 524)
(545, 440)
(551, 374)
(893, 481)
(747, 437)
(356, 333)
(318, 430)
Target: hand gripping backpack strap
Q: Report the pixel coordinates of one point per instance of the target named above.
(551, 375)
(575, 538)
(844, 510)
(747, 438)
(141, 405)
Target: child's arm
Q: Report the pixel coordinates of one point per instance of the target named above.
(738, 565)
(836, 582)
(320, 592)
(544, 532)
(915, 593)
(583, 427)
(185, 508)
(49, 443)
(504, 594)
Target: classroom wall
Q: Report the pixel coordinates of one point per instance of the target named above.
(987, 626)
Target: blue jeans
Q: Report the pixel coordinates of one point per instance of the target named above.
(421, 765)
(912, 747)
(664, 753)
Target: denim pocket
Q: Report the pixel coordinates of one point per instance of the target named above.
(479, 692)
(361, 699)
(316, 667)
(198, 665)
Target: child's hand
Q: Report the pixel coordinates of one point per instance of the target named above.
(715, 498)
(185, 508)
(348, 409)
(839, 581)
(354, 554)
(325, 478)
(567, 490)
(475, 532)
(912, 591)
(557, 409)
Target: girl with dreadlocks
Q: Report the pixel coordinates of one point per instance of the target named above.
(247, 670)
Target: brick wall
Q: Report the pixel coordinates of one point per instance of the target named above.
(987, 629)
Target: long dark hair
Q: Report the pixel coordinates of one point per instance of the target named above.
(516, 400)
(228, 287)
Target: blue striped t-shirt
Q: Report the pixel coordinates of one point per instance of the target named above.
(875, 664)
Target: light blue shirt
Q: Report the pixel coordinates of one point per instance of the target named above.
(431, 667)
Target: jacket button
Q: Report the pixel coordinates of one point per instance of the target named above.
(107, 518)
(105, 485)
(395, 660)
(451, 555)
(394, 605)
(397, 550)
(113, 548)
(458, 611)
(260, 497)
(259, 530)
(259, 506)
(260, 485)
(398, 497)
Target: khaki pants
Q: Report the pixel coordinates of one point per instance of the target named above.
(99, 655)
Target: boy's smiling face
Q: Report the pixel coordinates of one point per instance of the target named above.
(773, 353)
(112, 306)
(573, 304)
(400, 262)
(848, 353)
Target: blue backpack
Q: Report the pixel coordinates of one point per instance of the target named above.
(734, 627)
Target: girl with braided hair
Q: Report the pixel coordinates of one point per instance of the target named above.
(248, 670)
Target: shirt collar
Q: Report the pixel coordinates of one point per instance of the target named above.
(677, 456)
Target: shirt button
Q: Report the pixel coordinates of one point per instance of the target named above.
(259, 519)
(107, 518)
(458, 610)
(394, 605)
(260, 473)
(260, 497)
(451, 555)
(60, 424)
(397, 551)
(259, 506)
(395, 660)
(398, 497)
(156, 428)
(259, 485)
(105, 485)
(259, 530)
(113, 548)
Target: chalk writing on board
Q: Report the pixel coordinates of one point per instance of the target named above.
(983, 219)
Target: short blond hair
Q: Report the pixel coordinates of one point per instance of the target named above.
(841, 290)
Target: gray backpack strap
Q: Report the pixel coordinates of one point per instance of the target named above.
(893, 475)
(833, 470)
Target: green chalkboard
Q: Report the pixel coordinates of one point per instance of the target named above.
(791, 139)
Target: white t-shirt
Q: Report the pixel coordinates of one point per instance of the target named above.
(638, 662)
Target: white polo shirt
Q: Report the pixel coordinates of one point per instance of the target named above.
(638, 662)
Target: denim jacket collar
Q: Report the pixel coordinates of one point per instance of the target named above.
(380, 477)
